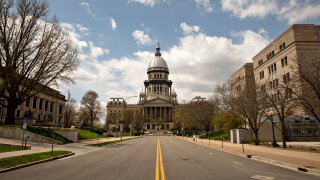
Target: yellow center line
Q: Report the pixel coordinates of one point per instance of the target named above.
(159, 160)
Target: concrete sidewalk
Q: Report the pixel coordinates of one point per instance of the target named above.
(78, 148)
(288, 158)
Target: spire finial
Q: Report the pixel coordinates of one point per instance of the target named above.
(158, 49)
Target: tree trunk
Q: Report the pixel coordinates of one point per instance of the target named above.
(256, 137)
(11, 108)
(283, 135)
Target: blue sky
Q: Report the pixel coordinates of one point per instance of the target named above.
(203, 41)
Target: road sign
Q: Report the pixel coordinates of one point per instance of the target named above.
(25, 122)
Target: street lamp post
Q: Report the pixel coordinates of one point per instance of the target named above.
(122, 121)
(2, 102)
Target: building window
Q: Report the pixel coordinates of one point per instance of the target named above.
(160, 76)
(238, 78)
(28, 102)
(40, 104)
(51, 106)
(238, 88)
(18, 114)
(261, 74)
(260, 62)
(272, 69)
(44, 117)
(263, 88)
(39, 117)
(34, 103)
(282, 46)
(270, 55)
(46, 105)
(288, 94)
(274, 84)
(284, 61)
(286, 78)
(60, 109)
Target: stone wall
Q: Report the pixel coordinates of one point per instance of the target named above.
(17, 133)
(69, 134)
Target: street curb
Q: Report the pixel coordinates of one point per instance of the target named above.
(265, 160)
(35, 162)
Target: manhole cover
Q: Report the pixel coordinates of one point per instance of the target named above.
(185, 159)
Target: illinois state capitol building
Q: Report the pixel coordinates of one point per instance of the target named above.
(156, 102)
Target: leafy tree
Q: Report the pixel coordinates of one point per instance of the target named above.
(34, 52)
(203, 112)
(228, 120)
(90, 109)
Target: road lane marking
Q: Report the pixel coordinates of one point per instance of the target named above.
(159, 163)
(211, 153)
(237, 162)
(259, 177)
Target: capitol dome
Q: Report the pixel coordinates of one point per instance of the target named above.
(158, 63)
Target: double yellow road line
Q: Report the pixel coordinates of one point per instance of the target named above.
(159, 163)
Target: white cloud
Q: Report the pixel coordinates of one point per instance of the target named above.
(113, 23)
(141, 38)
(249, 8)
(150, 3)
(292, 11)
(74, 36)
(196, 64)
(87, 6)
(82, 29)
(97, 51)
(189, 29)
(204, 5)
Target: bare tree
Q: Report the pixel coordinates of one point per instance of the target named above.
(71, 112)
(243, 103)
(306, 83)
(137, 121)
(90, 110)
(246, 103)
(276, 99)
(223, 96)
(34, 52)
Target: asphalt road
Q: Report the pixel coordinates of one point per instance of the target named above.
(136, 160)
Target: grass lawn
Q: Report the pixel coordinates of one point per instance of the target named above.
(48, 133)
(24, 159)
(87, 134)
(109, 142)
(217, 136)
(9, 148)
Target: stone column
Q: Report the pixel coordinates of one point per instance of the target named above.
(165, 113)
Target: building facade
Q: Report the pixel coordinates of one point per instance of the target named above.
(157, 101)
(242, 79)
(47, 108)
(274, 65)
(273, 70)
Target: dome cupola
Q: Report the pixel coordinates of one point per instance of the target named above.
(158, 63)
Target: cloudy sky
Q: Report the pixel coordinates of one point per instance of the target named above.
(203, 41)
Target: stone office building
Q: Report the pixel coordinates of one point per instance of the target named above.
(47, 108)
(157, 101)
